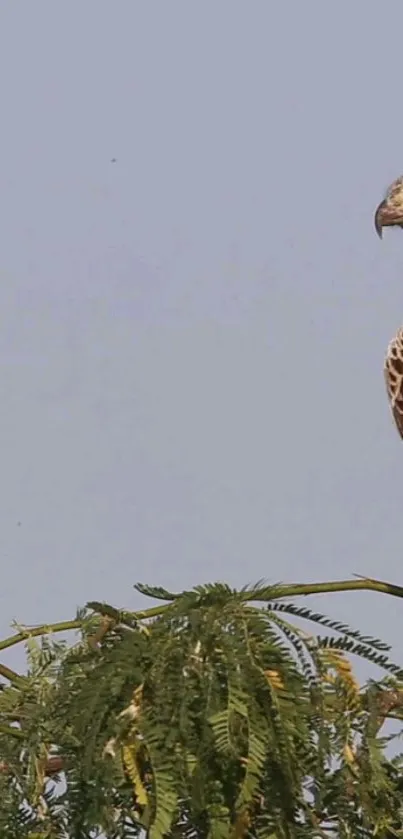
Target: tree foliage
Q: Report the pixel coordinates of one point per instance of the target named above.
(219, 713)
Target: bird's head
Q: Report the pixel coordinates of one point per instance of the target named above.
(389, 213)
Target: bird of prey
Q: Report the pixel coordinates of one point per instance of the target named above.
(393, 370)
(389, 213)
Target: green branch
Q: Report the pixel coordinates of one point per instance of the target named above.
(303, 589)
(15, 732)
(44, 629)
(12, 676)
(289, 590)
(264, 594)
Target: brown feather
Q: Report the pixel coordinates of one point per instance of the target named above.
(389, 212)
(393, 371)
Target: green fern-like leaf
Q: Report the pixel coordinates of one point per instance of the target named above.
(157, 592)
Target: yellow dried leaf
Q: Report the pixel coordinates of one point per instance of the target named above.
(348, 754)
(130, 762)
(273, 676)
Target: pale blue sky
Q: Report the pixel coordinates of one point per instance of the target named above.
(192, 338)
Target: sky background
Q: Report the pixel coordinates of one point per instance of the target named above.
(192, 337)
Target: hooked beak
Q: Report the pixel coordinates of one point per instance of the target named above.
(378, 219)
